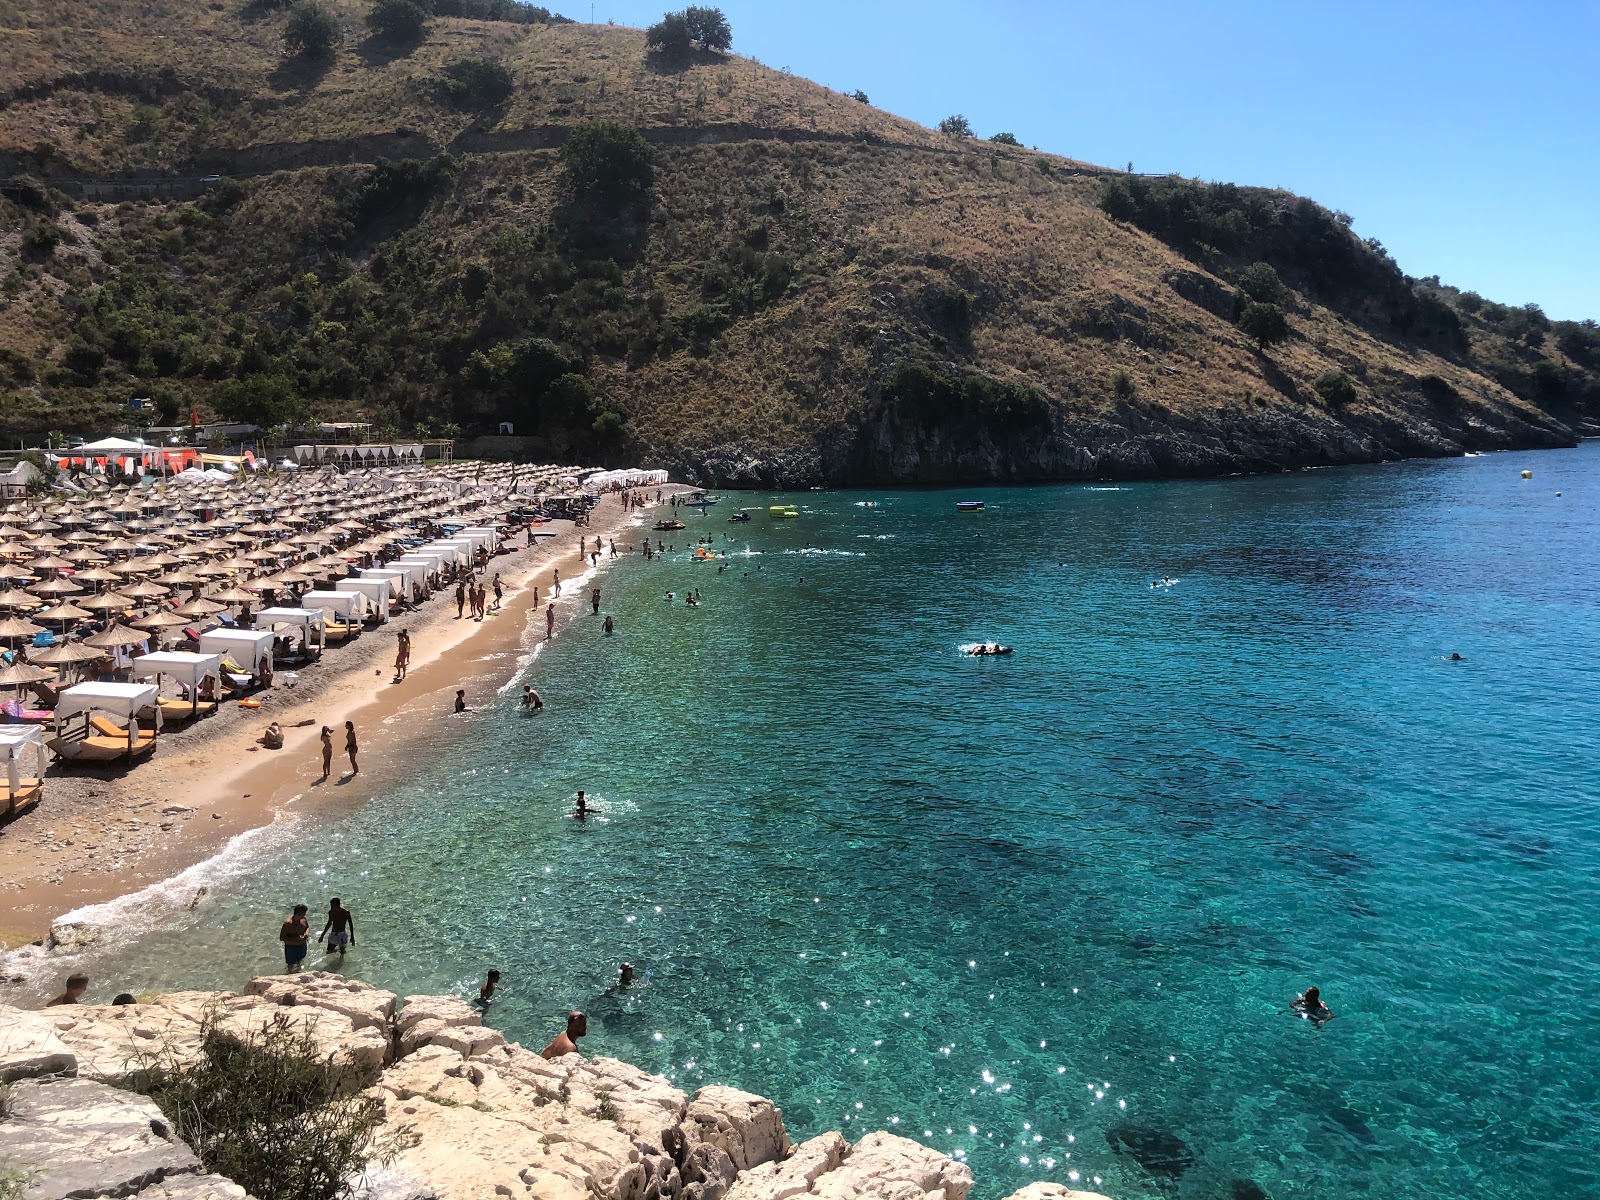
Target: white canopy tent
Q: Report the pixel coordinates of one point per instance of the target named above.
(342, 612)
(22, 747)
(306, 620)
(450, 552)
(490, 535)
(352, 606)
(376, 592)
(99, 739)
(251, 649)
(188, 668)
(404, 581)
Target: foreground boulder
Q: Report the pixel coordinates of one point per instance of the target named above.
(484, 1118)
(86, 1139)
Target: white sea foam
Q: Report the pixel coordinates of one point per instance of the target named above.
(162, 904)
(821, 552)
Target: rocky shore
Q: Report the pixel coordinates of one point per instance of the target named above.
(486, 1117)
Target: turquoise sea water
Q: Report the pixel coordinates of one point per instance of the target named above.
(1011, 906)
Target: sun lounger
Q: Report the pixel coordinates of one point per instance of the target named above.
(26, 795)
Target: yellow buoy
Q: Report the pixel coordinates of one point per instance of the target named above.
(1527, 474)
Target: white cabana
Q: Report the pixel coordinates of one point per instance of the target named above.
(342, 612)
(445, 551)
(98, 737)
(376, 592)
(23, 752)
(307, 620)
(403, 580)
(250, 648)
(431, 564)
(490, 535)
(188, 669)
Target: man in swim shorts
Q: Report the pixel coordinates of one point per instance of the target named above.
(296, 930)
(343, 926)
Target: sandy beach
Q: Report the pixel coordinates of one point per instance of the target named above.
(99, 834)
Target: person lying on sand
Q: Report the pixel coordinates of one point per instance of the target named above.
(272, 739)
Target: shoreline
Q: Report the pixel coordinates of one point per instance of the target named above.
(98, 836)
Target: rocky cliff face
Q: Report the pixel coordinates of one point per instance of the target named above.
(490, 1119)
(1132, 441)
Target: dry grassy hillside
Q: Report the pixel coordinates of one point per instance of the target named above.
(810, 288)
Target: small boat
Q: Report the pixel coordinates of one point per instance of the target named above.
(702, 501)
(669, 526)
(969, 505)
(738, 517)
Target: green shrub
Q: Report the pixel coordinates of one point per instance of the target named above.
(1122, 385)
(40, 238)
(938, 396)
(476, 82)
(951, 307)
(669, 37)
(312, 31)
(677, 33)
(1261, 283)
(1005, 139)
(1336, 388)
(859, 97)
(268, 1110)
(1264, 323)
(260, 399)
(956, 126)
(604, 158)
(398, 21)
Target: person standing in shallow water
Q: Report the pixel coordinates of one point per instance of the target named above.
(327, 754)
(549, 622)
(350, 746)
(342, 924)
(594, 600)
(294, 934)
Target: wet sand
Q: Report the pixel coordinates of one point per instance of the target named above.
(98, 834)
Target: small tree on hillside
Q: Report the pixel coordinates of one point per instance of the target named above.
(1261, 283)
(607, 159)
(709, 27)
(860, 97)
(311, 32)
(401, 21)
(669, 37)
(1265, 323)
(1005, 139)
(956, 126)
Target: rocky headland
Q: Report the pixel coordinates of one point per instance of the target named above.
(486, 1118)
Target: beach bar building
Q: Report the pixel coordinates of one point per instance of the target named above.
(376, 592)
(23, 752)
(99, 722)
(188, 669)
(249, 649)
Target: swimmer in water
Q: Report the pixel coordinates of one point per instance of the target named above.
(1310, 1006)
(1455, 656)
(582, 809)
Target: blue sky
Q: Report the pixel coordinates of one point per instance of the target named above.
(1464, 136)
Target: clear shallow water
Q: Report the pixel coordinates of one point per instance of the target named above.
(1005, 906)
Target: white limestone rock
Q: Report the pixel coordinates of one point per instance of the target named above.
(1052, 1191)
(86, 1139)
(885, 1167)
(796, 1175)
(30, 1046)
(747, 1128)
(365, 1006)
